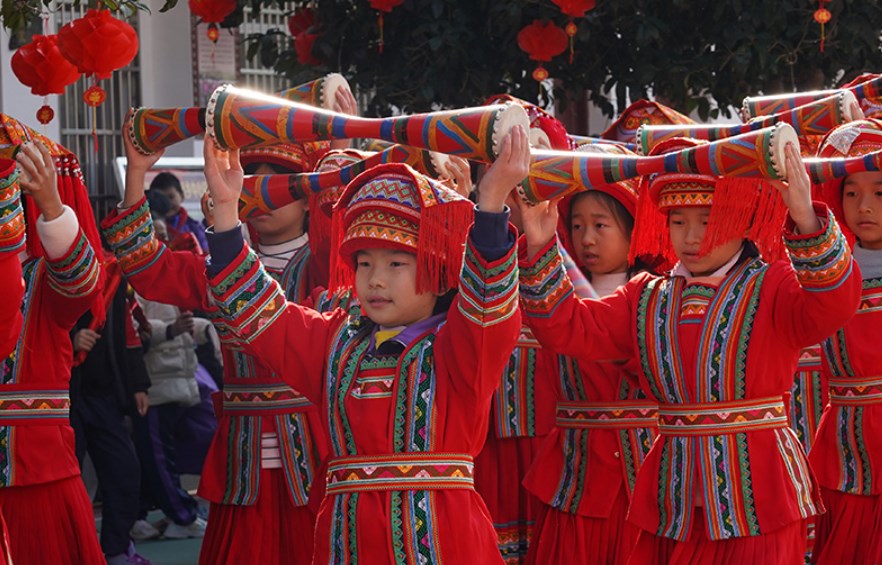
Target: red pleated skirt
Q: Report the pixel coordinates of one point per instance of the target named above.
(784, 546)
(51, 523)
(270, 532)
(570, 539)
(499, 470)
(850, 531)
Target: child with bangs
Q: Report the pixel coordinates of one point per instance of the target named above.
(584, 473)
(406, 387)
(715, 343)
(847, 453)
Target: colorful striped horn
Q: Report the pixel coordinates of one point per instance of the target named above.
(826, 169)
(754, 106)
(319, 92)
(238, 118)
(816, 118)
(264, 193)
(757, 154)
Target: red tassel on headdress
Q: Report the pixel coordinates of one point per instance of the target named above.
(650, 240)
(746, 208)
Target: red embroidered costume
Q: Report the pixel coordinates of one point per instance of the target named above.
(407, 416)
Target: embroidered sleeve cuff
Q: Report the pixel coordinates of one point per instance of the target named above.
(544, 282)
(247, 296)
(488, 290)
(76, 272)
(12, 223)
(130, 235)
(822, 260)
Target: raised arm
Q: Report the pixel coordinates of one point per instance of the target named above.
(154, 271)
(484, 322)
(822, 291)
(290, 339)
(72, 268)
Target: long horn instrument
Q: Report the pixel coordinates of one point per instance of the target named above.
(754, 106)
(264, 193)
(816, 118)
(757, 154)
(826, 169)
(237, 118)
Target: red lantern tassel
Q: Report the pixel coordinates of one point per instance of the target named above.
(822, 37)
(571, 30)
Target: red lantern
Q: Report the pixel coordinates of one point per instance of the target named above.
(301, 20)
(303, 43)
(542, 41)
(574, 9)
(41, 66)
(98, 43)
(822, 15)
(212, 12)
(382, 6)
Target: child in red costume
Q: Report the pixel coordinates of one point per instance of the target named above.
(715, 343)
(587, 467)
(49, 515)
(847, 454)
(269, 446)
(406, 388)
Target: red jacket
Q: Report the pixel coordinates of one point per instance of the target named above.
(36, 440)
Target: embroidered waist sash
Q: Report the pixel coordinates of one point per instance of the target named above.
(719, 418)
(262, 399)
(620, 414)
(27, 405)
(400, 472)
(856, 391)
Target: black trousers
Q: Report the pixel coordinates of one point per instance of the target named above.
(99, 425)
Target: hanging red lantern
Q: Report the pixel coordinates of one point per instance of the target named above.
(98, 44)
(303, 43)
(542, 41)
(383, 6)
(822, 15)
(301, 20)
(574, 9)
(41, 66)
(212, 12)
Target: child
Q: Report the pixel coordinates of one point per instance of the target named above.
(169, 186)
(49, 514)
(269, 446)
(715, 343)
(406, 388)
(847, 455)
(586, 469)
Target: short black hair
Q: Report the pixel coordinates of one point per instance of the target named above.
(158, 202)
(165, 180)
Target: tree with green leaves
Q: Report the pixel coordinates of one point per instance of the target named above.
(448, 53)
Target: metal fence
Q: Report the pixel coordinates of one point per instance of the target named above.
(76, 119)
(251, 73)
